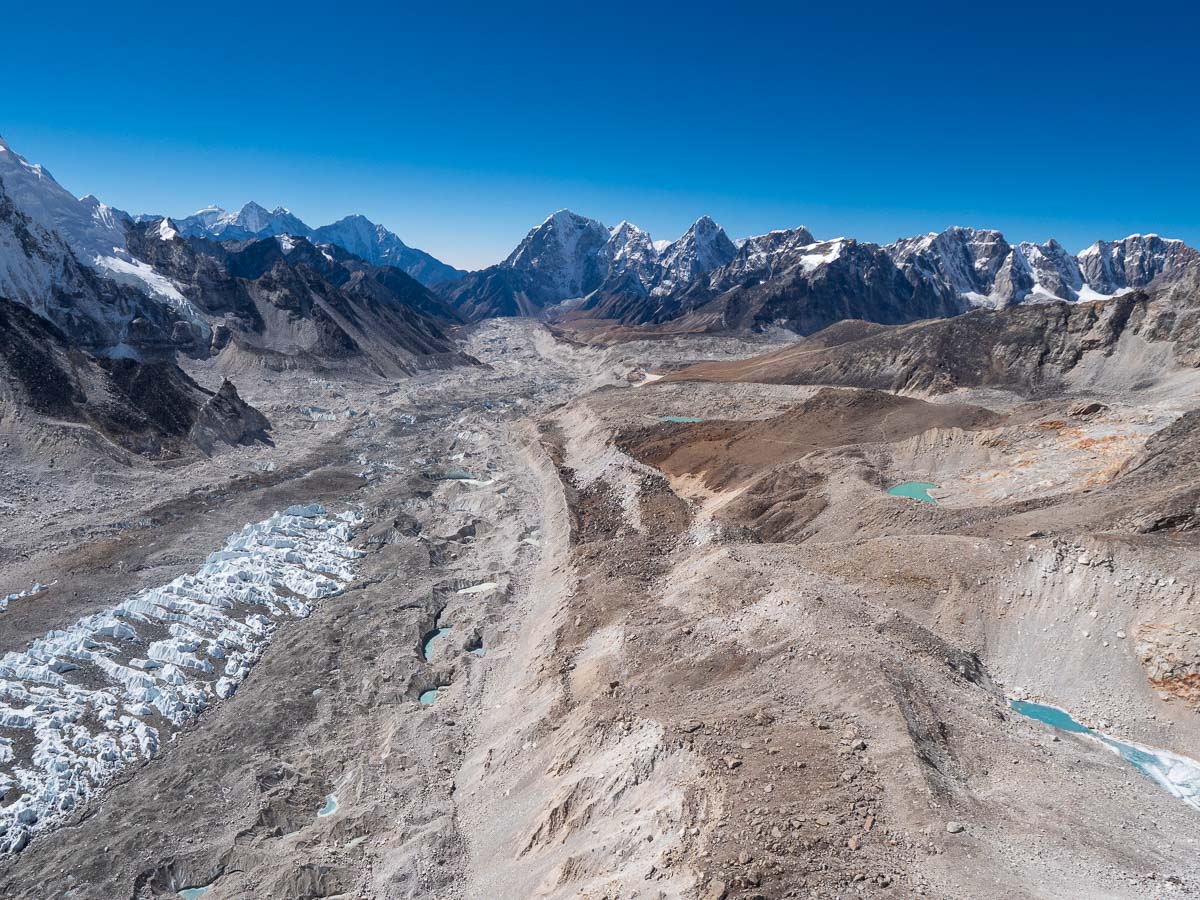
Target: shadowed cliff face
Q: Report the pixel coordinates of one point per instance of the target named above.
(287, 302)
(144, 407)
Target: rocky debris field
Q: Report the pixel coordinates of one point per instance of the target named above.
(588, 631)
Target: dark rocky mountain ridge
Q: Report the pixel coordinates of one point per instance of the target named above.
(147, 407)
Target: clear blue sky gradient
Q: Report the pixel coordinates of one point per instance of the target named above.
(462, 125)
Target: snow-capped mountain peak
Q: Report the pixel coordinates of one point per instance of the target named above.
(359, 235)
(983, 269)
(703, 247)
(561, 253)
(354, 233)
(95, 232)
(251, 221)
(1135, 261)
(630, 255)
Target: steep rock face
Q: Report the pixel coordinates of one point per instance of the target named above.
(1112, 266)
(785, 280)
(762, 257)
(963, 262)
(702, 248)
(1054, 273)
(1029, 348)
(68, 260)
(144, 407)
(375, 244)
(496, 291)
(630, 260)
(983, 269)
(96, 233)
(561, 256)
(642, 276)
(39, 269)
(286, 302)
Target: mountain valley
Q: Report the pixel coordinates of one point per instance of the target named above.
(713, 568)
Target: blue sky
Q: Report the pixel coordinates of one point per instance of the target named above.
(462, 126)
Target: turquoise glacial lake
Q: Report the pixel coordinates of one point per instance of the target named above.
(1179, 775)
(913, 490)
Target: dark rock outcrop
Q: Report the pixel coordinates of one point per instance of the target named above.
(144, 407)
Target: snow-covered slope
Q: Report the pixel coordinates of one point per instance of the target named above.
(761, 258)
(95, 233)
(629, 257)
(1053, 272)
(561, 255)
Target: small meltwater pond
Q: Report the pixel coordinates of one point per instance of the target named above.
(428, 697)
(194, 893)
(680, 419)
(913, 490)
(1179, 775)
(427, 644)
(330, 807)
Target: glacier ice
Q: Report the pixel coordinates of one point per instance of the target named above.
(37, 588)
(96, 695)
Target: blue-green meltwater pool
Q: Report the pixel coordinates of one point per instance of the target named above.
(913, 490)
(679, 419)
(427, 644)
(1177, 774)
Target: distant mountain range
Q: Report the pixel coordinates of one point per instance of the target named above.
(119, 300)
(574, 267)
(352, 292)
(355, 234)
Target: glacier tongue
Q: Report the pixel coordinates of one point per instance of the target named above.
(158, 658)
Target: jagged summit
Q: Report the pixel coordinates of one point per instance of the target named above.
(353, 233)
(571, 256)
